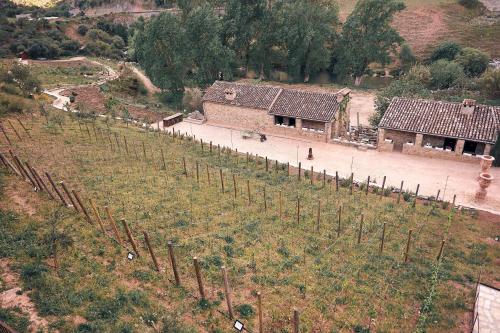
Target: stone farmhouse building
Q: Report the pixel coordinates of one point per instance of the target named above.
(463, 131)
(277, 111)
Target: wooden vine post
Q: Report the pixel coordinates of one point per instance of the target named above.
(318, 217)
(360, 233)
(174, 263)
(163, 159)
(113, 225)
(197, 172)
(151, 252)
(324, 178)
(97, 215)
(259, 310)
(228, 293)
(383, 238)
(367, 185)
(336, 181)
(221, 181)
(400, 191)
(440, 250)
(248, 191)
(339, 221)
(84, 210)
(68, 194)
(130, 237)
(383, 187)
(408, 245)
(234, 186)
(312, 175)
(298, 210)
(59, 194)
(198, 278)
(281, 206)
(300, 169)
(296, 321)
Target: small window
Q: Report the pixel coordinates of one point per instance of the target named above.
(278, 120)
(291, 122)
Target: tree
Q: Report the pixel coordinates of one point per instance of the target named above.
(207, 56)
(469, 3)
(446, 50)
(367, 37)
(161, 51)
(474, 61)
(420, 73)
(490, 83)
(398, 88)
(308, 29)
(406, 56)
(241, 26)
(446, 74)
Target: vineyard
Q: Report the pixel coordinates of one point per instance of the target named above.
(141, 205)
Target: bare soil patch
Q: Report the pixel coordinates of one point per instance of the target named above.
(14, 297)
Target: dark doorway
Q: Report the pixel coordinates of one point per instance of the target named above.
(470, 147)
(449, 143)
(291, 122)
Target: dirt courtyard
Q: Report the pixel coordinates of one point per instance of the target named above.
(450, 177)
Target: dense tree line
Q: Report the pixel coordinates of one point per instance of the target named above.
(301, 37)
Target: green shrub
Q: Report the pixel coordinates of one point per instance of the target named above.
(245, 310)
(474, 61)
(420, 74)
(82, 30)
(446, 50)
(406, 56)
(446, 74)
(490, 83)
(469, 3)
(15, 319)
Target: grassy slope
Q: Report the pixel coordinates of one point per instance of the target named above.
(335, 283)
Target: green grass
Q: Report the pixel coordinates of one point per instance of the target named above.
(334, 282)
(53, 77)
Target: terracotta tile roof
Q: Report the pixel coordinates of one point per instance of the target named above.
(247, 95)
(278, 101)
(442, 119)
(306, 105)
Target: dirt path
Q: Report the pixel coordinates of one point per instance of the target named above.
(152, 89)
(14, 297)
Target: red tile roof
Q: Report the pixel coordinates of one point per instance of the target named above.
(444, 119)
(277, 101)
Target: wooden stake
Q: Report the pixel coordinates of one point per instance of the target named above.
(199, 279)
(259, 311)
(288, 169)
(408, 245)
(440, 250)
(296, 321)
(228, 292)
(113, 225)
(34, 177)
(336, 181)
(340, 221)
(174, 263)
(97, 215)
(352, 183)
(318, 217)
(24, 128)
(15, 131)
(383, 186)
(248, 191)
(10, 165)
(151, 252)
(367, 186)
(126, 145)
(281, 204)
(360, 233)
(298, 210)
(454, 199)
(234, 185)
(184, 166)
(208, 175)
(68, 194)
(400, 191)
(144, 152)
(84, 210)
(265, 200)
(221, 181)
(437, 195)
(59, 194)
(163, 159)
(300, 169)
(312, 175)
(267, 165)
(383, 239)
(130, 237)
(324, 178)
(5, 134)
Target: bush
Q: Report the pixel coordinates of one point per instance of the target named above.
(446, 50)
(474, 61)
(82, 30)
(469, 3)
(446, 74)
(420, 74)
(490, 83)
(406, 56)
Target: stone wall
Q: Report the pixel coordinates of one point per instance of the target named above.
(241, 118)
(399, 138)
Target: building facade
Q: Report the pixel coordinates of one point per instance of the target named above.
(277, 111)
(459, 131)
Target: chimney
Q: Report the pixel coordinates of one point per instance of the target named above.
(230, 94)
(468, 106)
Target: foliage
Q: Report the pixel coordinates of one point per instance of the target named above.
(406, 56)
(192, 99)
(474, 61)
(490, 83)
(400, 88)
(447, 50)
(420, 73)
(446, 74)
(20, 76)
(367, 36)
(82, 30)
(469, 3)
(15, 319)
